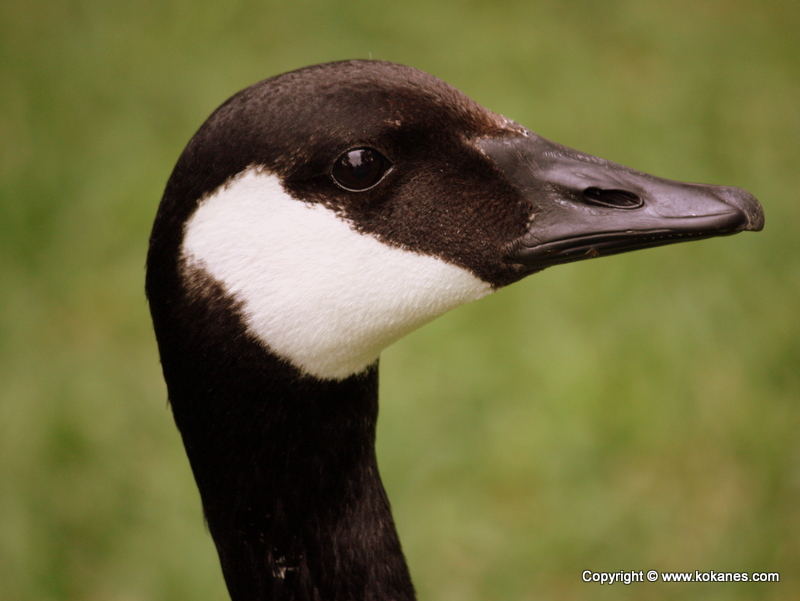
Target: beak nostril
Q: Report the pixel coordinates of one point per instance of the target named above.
(616, 199)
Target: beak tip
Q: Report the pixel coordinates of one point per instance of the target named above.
(749, 206)
(755, 222)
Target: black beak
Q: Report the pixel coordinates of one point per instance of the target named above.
(586, 207)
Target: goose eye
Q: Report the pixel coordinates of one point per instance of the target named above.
(360, 169)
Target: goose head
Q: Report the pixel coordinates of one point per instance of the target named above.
(344, 205)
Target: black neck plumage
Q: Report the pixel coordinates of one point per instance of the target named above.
(285, 463)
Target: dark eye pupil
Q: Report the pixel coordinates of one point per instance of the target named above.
(360, 169)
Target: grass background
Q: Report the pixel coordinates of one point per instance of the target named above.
(638, 412)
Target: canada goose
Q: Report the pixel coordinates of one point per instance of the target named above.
(315, 218)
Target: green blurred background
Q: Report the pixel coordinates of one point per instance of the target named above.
(633, 413)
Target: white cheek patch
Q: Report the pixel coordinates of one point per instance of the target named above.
(313, 289)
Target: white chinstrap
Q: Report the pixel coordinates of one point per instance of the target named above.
(314, 290)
